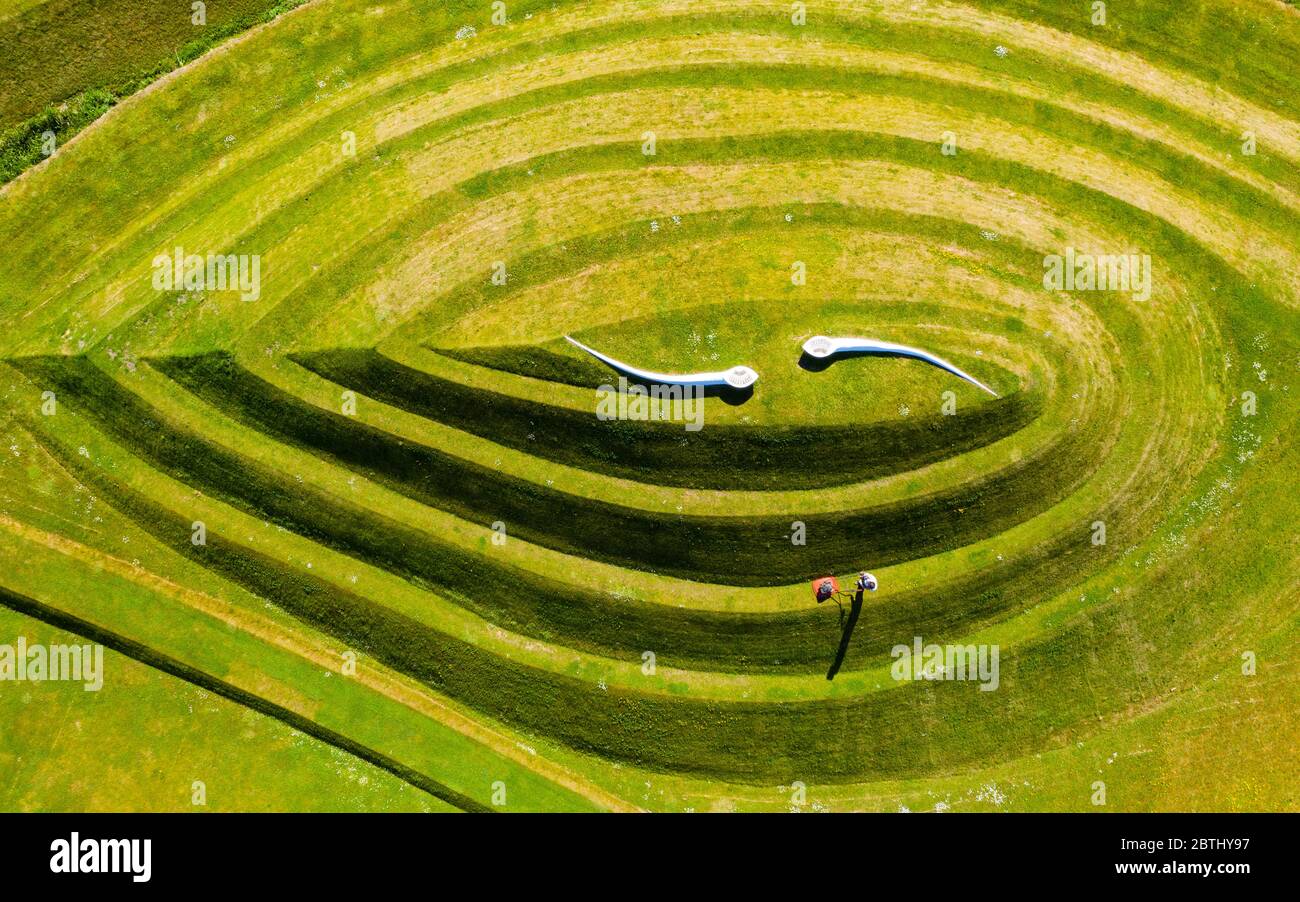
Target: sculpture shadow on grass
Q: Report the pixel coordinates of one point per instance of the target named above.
(821, 364)
(847, 634)
(819, 351)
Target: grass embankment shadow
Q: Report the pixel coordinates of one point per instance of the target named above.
(831, 740)
(548, 366)
(552, 608)
(835, 740)
(737, 550)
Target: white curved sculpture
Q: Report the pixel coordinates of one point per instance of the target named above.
(736, 377)
(821, 347)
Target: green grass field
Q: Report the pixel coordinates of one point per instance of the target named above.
(67, 62)
(431, 579)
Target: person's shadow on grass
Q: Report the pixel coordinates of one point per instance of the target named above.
(847, 625)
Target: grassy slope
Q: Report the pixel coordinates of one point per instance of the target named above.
(113, 43)
(238, 641)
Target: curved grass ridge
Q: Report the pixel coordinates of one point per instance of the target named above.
(146, 655)
(515, 598)
(36, 264)
(887, 748)
(720, 457)
(522, 146)
(751, 551)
